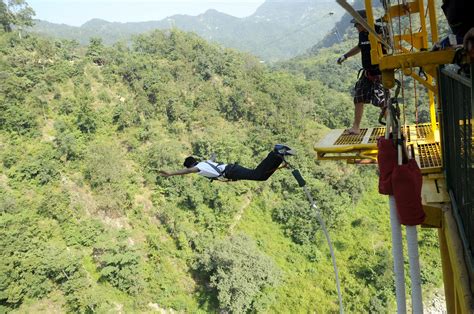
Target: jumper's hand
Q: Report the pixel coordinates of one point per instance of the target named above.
(164, 173)
(341, 59)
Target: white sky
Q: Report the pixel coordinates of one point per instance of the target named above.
(77, 12)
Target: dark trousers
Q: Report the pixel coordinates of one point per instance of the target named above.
(263, 171)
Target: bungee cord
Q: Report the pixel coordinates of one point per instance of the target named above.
(302, 183)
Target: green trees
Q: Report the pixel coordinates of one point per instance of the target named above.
(31, 265)
(239, 273)
(15, 13)
(95, 51)
(85, 216)
(119, 264)
(86, 118)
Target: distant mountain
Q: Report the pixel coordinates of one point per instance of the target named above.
(279, 29)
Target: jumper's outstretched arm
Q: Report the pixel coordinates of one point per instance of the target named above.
(181, 172)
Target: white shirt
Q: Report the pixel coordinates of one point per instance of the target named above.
(207, 171)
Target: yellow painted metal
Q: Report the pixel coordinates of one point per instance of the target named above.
(461, 295)
(375, 51)
(410, 51)
(433, 21)
(418, 42)
(388, 78)
(337, 145)
(421, 9)
(448, 277)
(428, 83)
(415, 39)
(401, 10)
(431, 97)
(416, 59)
(433, 217)
(428, 157)
(434, 190)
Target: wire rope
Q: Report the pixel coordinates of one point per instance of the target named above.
(407, 9)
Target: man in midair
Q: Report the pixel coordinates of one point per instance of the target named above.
(234, 172)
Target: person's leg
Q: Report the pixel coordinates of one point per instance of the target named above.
(358, 112)
(363, 92)
(261, 173)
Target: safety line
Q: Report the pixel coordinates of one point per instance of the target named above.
(302, 183)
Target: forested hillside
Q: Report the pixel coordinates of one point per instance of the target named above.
(88, 225)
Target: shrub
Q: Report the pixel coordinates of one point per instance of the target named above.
(238, 273)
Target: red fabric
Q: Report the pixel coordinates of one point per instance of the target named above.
(406, 182)
(387, 160)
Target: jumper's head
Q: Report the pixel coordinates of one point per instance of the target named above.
(190, 162)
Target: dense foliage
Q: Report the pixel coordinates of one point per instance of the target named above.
(86, 223)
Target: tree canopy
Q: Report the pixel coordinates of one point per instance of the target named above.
(87, 224)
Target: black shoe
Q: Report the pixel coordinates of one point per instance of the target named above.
(283, 150)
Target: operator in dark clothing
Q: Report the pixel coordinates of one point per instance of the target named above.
(460, 16)
(234, 172)
(368, 88)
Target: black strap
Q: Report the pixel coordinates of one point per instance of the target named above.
(216, 169)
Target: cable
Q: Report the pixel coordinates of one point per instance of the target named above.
(302, 183)
(287, 35)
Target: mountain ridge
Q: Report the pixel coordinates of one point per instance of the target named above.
(277, 30)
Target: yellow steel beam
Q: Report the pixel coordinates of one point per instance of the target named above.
(433, 21)
(421, 8)
(416, 59)
(426, 83)
(462, 292)
(429, 60)
(415, 39)
(401, 10)
(375, 51)
(434, 190)
(431, 97)
(447, 267)
(433, 216)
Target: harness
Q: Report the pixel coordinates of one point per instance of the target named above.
(220, 177)
(368, 74)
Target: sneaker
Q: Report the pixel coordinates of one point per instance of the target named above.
(283, 150)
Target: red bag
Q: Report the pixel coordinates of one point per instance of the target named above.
(387, 160)
(407, 182)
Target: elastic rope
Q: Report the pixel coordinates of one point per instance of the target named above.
(302, 183)
(331, 249)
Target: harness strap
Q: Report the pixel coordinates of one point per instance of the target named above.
(221, 173)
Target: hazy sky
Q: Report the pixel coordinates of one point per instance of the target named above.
(77, 12)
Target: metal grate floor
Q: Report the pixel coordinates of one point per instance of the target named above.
(422, 131)
(351, 139)
(377, 132)
(429, 155)
(340, 146)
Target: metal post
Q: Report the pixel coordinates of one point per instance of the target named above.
(397, 252)
(397, 245)
(413, 257)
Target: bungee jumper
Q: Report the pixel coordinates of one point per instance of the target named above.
(368, 88)
(234, 172)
